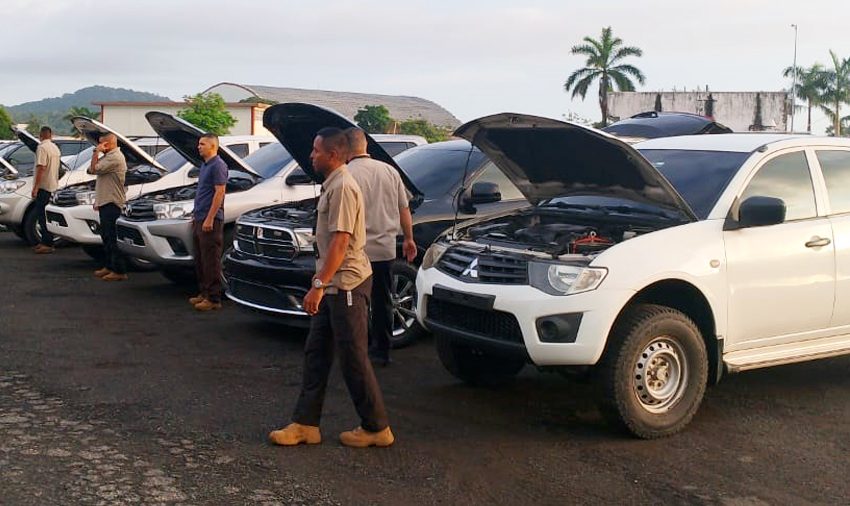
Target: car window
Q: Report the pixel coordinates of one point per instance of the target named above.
(240, 150)
(786, 177)
(492, 174)
(171, 159)
(22, 157)
(72, 148)
(436, 172)
(269, 160)
(394, 148)
(835, 166)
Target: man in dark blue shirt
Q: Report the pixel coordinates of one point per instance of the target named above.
(208, 224)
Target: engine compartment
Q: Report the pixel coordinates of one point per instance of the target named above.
(302, 212)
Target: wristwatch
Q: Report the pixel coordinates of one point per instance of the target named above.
(318, 285)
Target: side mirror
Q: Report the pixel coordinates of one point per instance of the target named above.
(194, 172)
(298, 177)
(761, 212)
(484, 193)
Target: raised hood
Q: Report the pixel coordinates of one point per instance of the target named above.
(546, 158)
(32, 143)
(295, 126)
(183, 137)
(92, 130)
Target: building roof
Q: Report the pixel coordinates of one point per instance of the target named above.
(166, 104)
(347, 103)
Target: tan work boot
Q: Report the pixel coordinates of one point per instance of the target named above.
(101, 272)
(113, 276)
(296, 434)
(207, 305)
(196, 299)
(362, 438)
(42, 249)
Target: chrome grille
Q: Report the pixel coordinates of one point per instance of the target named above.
(483, 266)
(265, 242)
(139, 210)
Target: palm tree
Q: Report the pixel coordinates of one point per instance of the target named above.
(604, 63)
(837, 90)
(810, 87)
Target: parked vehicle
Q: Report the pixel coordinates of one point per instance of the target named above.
(272, 261)
(662, 265)
(21, 155)
(652, 125)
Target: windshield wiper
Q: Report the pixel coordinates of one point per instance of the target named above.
(565, 205)
(635, 210)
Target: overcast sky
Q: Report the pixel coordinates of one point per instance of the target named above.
(473, 57)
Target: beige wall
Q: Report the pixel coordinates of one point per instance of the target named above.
(130, 119)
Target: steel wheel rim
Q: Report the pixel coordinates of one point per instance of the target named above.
(404, 304)
(660, 375)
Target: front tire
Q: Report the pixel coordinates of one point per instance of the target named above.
(406, 330)
(474, 366)
(655, 371)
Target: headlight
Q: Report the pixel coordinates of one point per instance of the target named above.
(86, 198)
(562, 279)
(433, 255)
(305, 238)
(11, 186)
(174, 210)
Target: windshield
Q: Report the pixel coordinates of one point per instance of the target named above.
(83, 158)
(699, 176)
(436, 172)
(269, 160)
(171, 159)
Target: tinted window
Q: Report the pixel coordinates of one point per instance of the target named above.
(170, 159)
(394, 148)
(492, 174)
(698, 176)
(72, 148)
(836, 171)
(786, 177)
(21, 157)
(83, 158)
(240, 150)
(269, 160)
(436, 172)
(155, 149)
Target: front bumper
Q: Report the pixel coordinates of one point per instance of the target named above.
(272, 287)
(163, 242)
(512, 321)
(80, 224)
(13, 206)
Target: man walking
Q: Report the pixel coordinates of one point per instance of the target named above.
(339, 304)
(208, 224)
(387, 212)
(46, 180)
(110, 197)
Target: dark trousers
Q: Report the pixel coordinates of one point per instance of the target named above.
(381, 321)
(341, 329)
(208, 259)
(42, 198)
(113, 259)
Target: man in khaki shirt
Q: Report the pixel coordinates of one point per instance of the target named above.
(110, 198)
(45, 181)
(339, 305)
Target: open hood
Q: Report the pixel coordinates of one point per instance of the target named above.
(183, 137)
(32, 143)
(546, 158)
(92, 130)
(295, 126)
(651, 125)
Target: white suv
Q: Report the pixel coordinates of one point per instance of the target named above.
(662, 264)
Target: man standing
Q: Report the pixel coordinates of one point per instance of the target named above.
(208, 224)
(339, 304)
(46, 180)
(387, 212)
(110, 197)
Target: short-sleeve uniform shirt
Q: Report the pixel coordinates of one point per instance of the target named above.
(47, 154)
(341, 210)
(213, 173)
(111, 171)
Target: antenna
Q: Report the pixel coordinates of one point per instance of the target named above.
(462, 188)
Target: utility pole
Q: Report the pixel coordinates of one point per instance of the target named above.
(794, 86)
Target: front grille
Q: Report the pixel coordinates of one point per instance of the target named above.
(56, 218)
(483, 266)
(141, 210)
(65, 198)
(130, 234)
(487, 323)
(266, 242)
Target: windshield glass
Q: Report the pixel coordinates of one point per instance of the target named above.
(436, 172)
(699, 176)
(170, 159)
(82, 159)
(269, 160)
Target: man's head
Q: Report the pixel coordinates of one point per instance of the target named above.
(357, 143)
(330, 150)
(45, 133)
(108, 141)
(208, 146)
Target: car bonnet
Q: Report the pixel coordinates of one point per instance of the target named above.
(93, 129)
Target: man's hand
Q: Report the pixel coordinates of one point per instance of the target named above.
(312, 300)
(409, 250)
(34, 193)
(207, 226)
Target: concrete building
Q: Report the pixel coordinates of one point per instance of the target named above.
(740, 111)
(129, 117)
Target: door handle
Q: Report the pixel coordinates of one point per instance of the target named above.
(818, 242)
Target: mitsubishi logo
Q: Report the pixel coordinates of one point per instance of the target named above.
(472, 269)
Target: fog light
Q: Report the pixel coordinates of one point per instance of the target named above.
(177, 246)
(93, 226)
(562, 328)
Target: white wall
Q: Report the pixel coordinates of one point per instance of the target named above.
(130, 119)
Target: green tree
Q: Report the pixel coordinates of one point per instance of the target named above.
(604, 64)
(208, 112)
(85, 112)
(34, 124)
(373, 119)
(836, 89)
(422, 127)
(811, 83)
(5, 125)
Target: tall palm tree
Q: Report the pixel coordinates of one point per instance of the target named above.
(837, 90)
(604, 64)
(810, 87)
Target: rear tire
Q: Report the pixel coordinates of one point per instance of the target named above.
(475, 366)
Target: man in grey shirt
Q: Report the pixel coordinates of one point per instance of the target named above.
(387, 214)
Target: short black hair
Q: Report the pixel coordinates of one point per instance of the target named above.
(46, 130)
(106, 135)
(213, 137)
(334, 138)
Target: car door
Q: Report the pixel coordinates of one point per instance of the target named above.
(835, 166)
(781, 277)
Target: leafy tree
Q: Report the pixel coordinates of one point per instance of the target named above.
(208, 112)
(811, 83)
(34, 124)
(837, 89)
(5, 124)
(422, 127)
(258, 100)
(374, 119)
(604, 64)
(85, 112)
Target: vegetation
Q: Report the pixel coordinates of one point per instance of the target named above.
(208, 112)
(826, 88)
(604, 64)
(422, 127)
(5, 125)
(373, 119)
